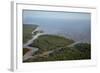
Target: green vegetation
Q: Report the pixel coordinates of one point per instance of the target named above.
(67, 53)
(72, 53)
(50, 42)
(82, 47)
(85, 49)
(27, 31)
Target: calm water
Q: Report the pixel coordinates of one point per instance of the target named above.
(76, 26)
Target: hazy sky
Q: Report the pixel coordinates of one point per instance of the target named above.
(31, 16)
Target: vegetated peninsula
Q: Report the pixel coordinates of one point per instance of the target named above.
(51, 47)
(27, 31)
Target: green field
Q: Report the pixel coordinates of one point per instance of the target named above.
(27, 31)
(50, 42)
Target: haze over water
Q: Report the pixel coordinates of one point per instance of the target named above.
(74, 25)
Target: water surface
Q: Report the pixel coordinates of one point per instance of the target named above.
(73, 25)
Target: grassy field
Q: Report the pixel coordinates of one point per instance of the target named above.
(27, 31)
(50, 42)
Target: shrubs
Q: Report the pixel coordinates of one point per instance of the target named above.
(69, 53)
(61, 51)
(83, 47)
(50, 42)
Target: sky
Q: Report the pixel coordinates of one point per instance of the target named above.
(32, 16)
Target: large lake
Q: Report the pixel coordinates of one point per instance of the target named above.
(76, 26)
